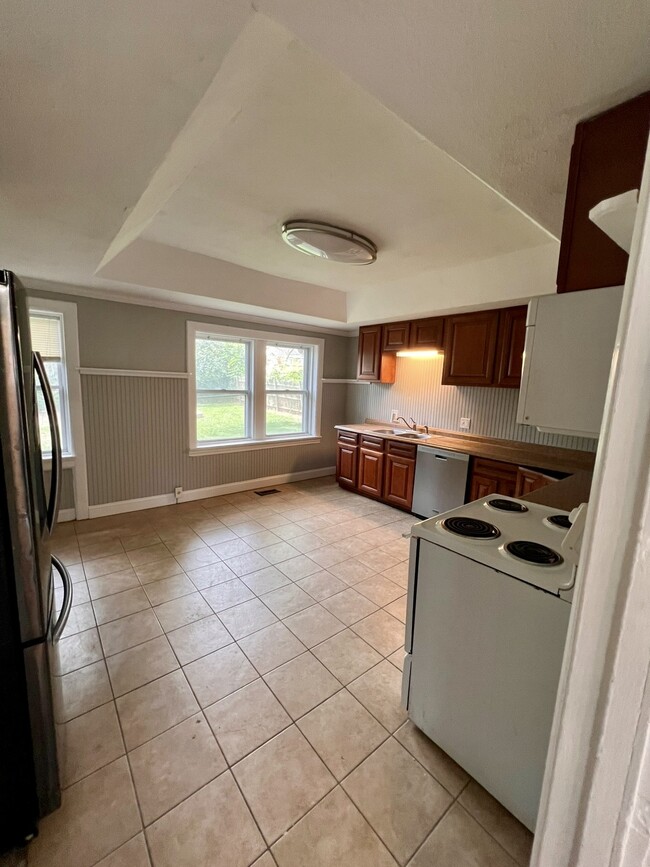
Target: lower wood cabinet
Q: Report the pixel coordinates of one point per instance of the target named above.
(498, 477)
(492, 477)
(370, 472)
(530, 480)
(346, 464)
(378, 468)
(399, 475)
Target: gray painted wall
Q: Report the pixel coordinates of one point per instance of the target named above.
(137, 438)
(66, 500)
(418, 392)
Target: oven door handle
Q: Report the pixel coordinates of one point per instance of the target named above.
(55, 476)
(68, 592)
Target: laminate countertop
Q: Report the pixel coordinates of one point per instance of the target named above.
(511, 451)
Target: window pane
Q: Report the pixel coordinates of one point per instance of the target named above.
(53, 371)
(221, 364)
(43, 423)
(284, 413)
(220, 417)
(285, 367)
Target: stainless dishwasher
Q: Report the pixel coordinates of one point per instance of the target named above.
(440, 481)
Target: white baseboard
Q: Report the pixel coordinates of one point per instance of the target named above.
(122, 506)
(66, 515)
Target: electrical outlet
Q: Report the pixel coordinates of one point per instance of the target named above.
(393, 415)
(177, 492)
(465, 423)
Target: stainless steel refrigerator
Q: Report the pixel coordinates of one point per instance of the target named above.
(30, 626)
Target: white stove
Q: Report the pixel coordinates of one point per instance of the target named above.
(491, 531)
(490, 587)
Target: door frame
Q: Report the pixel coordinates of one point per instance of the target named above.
(596, 790)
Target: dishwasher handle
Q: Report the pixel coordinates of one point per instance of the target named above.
(443, 454)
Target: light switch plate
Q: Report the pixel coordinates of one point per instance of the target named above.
(465, 423)
(393, 415)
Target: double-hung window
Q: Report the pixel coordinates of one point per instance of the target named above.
(251, 388)
(48, 339)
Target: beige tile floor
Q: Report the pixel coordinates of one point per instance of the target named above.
(231, 681)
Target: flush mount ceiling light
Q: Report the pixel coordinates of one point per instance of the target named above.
(329, 242)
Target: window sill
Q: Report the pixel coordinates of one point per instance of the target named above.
(67, 461)
(253, 445)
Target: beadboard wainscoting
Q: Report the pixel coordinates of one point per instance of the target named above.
(418, 392)
(137, 441)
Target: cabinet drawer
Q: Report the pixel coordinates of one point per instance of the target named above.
(374, 443)
(404, 450)
(349, 437)
(495, 469)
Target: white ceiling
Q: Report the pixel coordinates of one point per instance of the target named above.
(178, 137)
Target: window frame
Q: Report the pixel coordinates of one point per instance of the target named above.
(65, 425)
(258, 340)
(75, 458)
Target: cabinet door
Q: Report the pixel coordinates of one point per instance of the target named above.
(427, 333)
(530, 480)
(492, 477)
(398, 481)
(371, 472)
(512, 336)
(395, 336)
(606, 160)
(470, 348)
(346, 465)
(482, 486)
(373, 365)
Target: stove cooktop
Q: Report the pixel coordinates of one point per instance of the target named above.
(516, 538)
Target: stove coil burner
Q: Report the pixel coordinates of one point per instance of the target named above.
(507, 506)
(560, 521)
(533, 552)
(471, 527)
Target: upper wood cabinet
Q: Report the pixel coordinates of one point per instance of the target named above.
(470, 348)
(427, 333)
(511, 339)
(373, 364)
(485, 348)
(395, 336)
(606, 160)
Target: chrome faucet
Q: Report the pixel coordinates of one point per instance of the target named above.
(412, 426)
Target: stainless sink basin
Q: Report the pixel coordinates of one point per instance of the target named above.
(407, 434)
(411, 435)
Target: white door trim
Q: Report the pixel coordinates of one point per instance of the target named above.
(593, 802)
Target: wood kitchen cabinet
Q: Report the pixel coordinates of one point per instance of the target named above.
(531, 480)
(606, 160)
(470, 348)
(374, 365)
(492, 477)
(510, 347)
(378, 468)
(347, 455)
(485, 348)
(399, 474)
(427, 333)
(370, 472)
(395, 336)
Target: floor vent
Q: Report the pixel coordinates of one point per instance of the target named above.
(267, 492)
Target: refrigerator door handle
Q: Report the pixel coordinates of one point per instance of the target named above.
(68, 592)
(55, 476)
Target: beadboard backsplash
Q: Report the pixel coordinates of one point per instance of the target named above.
(418, 392)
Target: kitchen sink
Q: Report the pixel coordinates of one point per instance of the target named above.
(407, 434)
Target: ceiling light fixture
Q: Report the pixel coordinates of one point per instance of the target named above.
(417, 353)
(329, 242)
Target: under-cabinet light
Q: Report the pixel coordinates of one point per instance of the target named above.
(418, 353)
